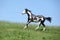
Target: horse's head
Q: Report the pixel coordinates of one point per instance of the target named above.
(26, 11)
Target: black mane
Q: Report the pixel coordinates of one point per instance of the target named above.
(27, 10)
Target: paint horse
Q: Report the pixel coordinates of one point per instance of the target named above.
(35, 18)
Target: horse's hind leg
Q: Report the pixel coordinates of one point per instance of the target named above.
(43, 25)
(38, 26)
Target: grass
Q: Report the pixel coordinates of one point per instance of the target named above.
(15, 31)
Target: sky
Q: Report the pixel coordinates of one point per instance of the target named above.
(11, 10)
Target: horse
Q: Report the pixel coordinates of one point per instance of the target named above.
(35, 18)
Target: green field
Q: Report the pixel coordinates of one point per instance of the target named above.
(15, 31)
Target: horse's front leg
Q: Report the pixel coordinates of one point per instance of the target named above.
(26, 26)
(38, 26)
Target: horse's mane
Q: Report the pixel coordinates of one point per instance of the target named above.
(29, 10)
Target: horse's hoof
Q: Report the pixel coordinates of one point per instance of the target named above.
(36, 29)
(44, 30)
(25, 27)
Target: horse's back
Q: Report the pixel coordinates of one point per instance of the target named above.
(37, 15)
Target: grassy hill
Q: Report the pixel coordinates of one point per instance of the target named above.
(15, 31)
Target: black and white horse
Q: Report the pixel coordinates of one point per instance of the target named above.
(35, 18)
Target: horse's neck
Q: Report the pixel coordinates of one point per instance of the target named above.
(29, 14)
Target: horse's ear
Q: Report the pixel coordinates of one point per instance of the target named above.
(26, 9)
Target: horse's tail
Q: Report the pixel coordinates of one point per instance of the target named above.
(48, 18)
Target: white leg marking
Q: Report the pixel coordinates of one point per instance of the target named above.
(37, 27)
(44, 29)
(25, 27)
